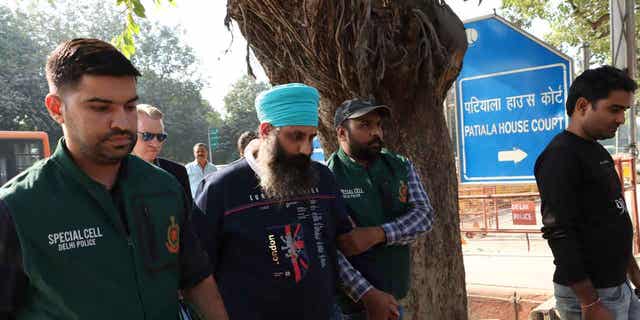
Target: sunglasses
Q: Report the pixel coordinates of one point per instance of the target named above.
(148, 136)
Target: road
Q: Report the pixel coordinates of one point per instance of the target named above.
(503, 261)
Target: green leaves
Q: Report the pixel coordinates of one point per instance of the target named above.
(138, 8)
(132, 26)
(571, 22)
(170, 71)
(240, 117)
(125, 41)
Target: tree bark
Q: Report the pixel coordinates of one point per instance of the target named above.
(405, 54)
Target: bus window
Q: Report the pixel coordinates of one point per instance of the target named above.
(27, 153)
(20, 150)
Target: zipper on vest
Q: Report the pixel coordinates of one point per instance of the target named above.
(132, 250)
(153, 252)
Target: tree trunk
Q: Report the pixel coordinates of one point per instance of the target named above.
(405, 54)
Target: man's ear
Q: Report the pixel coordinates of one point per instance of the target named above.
(341, 133)
(53, 102)
(264, 129)
(581, 105)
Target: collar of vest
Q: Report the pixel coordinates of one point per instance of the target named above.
(62, 157)
(352, 164)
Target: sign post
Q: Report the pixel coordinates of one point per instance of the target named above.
(213, 142)
(511, 96)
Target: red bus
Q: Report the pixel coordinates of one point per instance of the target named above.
(19, 150)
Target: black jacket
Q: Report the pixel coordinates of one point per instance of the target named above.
(178, 171)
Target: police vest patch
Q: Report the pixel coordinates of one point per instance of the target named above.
(173, 236)
(403, 192)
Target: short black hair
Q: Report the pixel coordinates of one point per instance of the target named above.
(244, 140)
(596, 84)
(74, 58)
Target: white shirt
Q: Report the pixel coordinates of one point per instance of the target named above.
(196, 174)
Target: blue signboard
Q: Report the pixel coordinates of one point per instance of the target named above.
(511, 97)
(318, 153)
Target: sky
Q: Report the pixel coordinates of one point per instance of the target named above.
(222, 52)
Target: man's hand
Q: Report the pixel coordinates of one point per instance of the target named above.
(206, 298)
(380, 305)
(633, 272)
(360, 240)
(597, 312)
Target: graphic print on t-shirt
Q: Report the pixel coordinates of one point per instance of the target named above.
(614, 187)
(621, 206)
(287, 249)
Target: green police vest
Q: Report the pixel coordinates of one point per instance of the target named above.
(79, 261)
(376, 195)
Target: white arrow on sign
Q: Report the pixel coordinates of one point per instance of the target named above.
(516, 155)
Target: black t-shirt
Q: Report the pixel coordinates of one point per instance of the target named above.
(271, 259)
(585, 217)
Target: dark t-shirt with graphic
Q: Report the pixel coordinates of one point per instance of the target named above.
(271, 259)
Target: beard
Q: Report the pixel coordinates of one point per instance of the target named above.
(283, 175)
(365, 151)
(101, 153)
(96, 147)
(108, 155)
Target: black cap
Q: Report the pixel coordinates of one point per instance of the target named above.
(356, 108)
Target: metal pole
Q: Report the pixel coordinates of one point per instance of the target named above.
(209, 145)
(495, 207)
(632, 68)
(515, 304)
(484, 215)
(586, 56)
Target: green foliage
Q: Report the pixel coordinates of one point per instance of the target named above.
(22, 79)
(170, 78)
(131, 11)
(125, 41)
(241, 116)
(573, 22)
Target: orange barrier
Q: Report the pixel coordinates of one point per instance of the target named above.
(488, 211)
(626, 168)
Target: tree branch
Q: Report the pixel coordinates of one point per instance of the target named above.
(580, 14)
(604, 18)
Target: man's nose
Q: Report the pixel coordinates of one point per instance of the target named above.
(154, 142)
(120, 120)
(306, 148)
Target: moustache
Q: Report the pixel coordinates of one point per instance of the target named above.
(298, 161)
(377, 141)
(113, 133)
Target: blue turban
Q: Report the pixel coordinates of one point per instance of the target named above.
(292, 104)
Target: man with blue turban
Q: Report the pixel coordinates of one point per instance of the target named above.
(270, 221)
